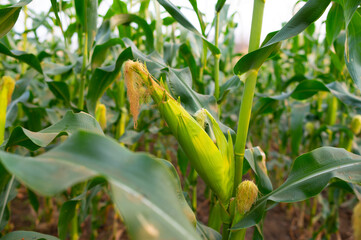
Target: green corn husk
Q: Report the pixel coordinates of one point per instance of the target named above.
(213, 161)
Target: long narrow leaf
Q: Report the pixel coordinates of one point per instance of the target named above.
(309, 175)
(309, 13)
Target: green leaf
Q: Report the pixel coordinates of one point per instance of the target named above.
(182, 160)
(117, 7)
(54, 5)
(27, 235)
(340, 91)
(28, 58)
(304, 90)
(256, 159)
(208, 233)
(309, 13)
(334, 22)
(103, 77)
(67, 213)
(232, 83)
(258, 232)
(33, 199)
(168, 21)
(86, 11)
(353, 48)
(131, 137)
(9, 15)
(68, 125)
(298, 114)
(219, 5)
(188, 57)
(179, 17)
(349, 8)
(53, 69)
(309, 175)
(60, 90)
(307, 89)
(128, 18)
(103, 33)
(138, 182)
(8, 192)
(100, 51)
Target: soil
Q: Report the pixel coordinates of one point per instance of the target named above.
(281, 223)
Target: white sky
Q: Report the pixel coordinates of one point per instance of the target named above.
(276, 12)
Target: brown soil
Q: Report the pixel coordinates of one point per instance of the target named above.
(283, 222)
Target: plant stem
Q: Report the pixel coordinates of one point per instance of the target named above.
(225, 231)
(123, 117)
(6, 197)
(194, 197)
(217, 58)
(203, 56)
(158, 28)
(83, 73)
(3, 107)
(238, 235)
(256, 27)
(74, 227)
(25, 37)
(193, 181)
(243, 124)
(85, 59)
(201, 69)
(332, 110)
(247, 98)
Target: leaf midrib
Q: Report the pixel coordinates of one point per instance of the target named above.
(313, 174)
(178, 227)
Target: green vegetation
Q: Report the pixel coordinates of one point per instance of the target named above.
(133, 108)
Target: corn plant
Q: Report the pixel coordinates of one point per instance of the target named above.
(144, 107)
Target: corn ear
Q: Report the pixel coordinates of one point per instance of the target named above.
(201, 117)
(210, 160)
(310, 128)
(356, 221)
(7, 85)
(356, 124)
(101, 115)
(246, 196)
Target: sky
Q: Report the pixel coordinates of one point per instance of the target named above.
(276, 12)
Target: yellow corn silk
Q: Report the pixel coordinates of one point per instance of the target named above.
(7, 85)
(213, 161)
(246, 196)
(247, 193)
